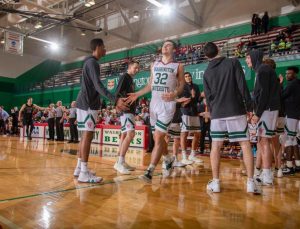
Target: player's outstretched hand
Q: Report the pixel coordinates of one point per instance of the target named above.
(183, 100)
(132, 97)
(169, 96)
(122, 105)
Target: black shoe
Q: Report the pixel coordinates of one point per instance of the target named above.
(288, 171)
(50, 139)
(297, 169)
(147, 177)
(29, 138)
(71, 141)
(76, 141)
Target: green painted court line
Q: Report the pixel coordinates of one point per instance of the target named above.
(67, 190)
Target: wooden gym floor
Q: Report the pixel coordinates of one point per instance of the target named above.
(37, 190)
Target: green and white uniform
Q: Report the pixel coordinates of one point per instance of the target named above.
(164, 80)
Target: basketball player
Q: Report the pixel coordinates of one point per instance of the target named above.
(228, 100)
(88, 102)
(125, 86)
(266, 106)
(174, 132)
(291, 99)
(190, 119)
(166, 83)
(27, 111)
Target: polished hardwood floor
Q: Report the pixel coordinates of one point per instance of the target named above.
(37, 190)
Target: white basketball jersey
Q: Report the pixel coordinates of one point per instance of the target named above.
(164, 79)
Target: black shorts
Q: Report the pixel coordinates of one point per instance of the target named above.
(27, 122)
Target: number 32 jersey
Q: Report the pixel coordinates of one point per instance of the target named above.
(164, 79)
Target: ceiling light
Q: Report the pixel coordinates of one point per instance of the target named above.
(2, 41)
(83, 33)
(54, 46)
(165, 10)
(136, 14)
(156, 3)
(89, 3)
(38, 25)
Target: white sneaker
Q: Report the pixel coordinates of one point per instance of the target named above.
(121, 168)
(77, 172)
(279, 173)
(167, 167)
(213, 186)
(252, 188)
(257, 172)
(195, 159)
(130, 168)
(266, 178)
(87, 177)
(186, 161)
(178, 164)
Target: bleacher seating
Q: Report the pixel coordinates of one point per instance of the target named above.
(187, 55)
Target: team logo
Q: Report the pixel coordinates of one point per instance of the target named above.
(110, 84)
(90, 124)
(128, 125)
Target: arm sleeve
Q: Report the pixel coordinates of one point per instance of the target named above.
(207, 92)
(120, 87)
(99, 87)
(5, 115)
(286, 92)
(263, 93)
(242, 85)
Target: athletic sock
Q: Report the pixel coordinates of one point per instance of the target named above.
(216, 180)
(151, 168)
(167, 157)
(78, 163)
(193, 153)
(297, 162)
(84, 167)
(183, 153)
(121, 160)
(289, 164)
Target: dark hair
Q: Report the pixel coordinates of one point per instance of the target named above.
(95, 43)
(210, 50)
(29, 98)
(131, 62)
(188, 74)
(173, 43)
(270, 62)
(294, 69)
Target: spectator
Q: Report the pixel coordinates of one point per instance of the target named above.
(281, 46)
(265, 23)
(253, 25)
(3, 118)
(280, 37)
(273, 48)
(14, 114)
(59, 121)
(139, 121)
(251, 44)
(51, 121)
(288, 45)
(238, 53)
(258, 25)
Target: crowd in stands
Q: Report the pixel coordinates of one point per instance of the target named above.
(10, 125)
(281, 45)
